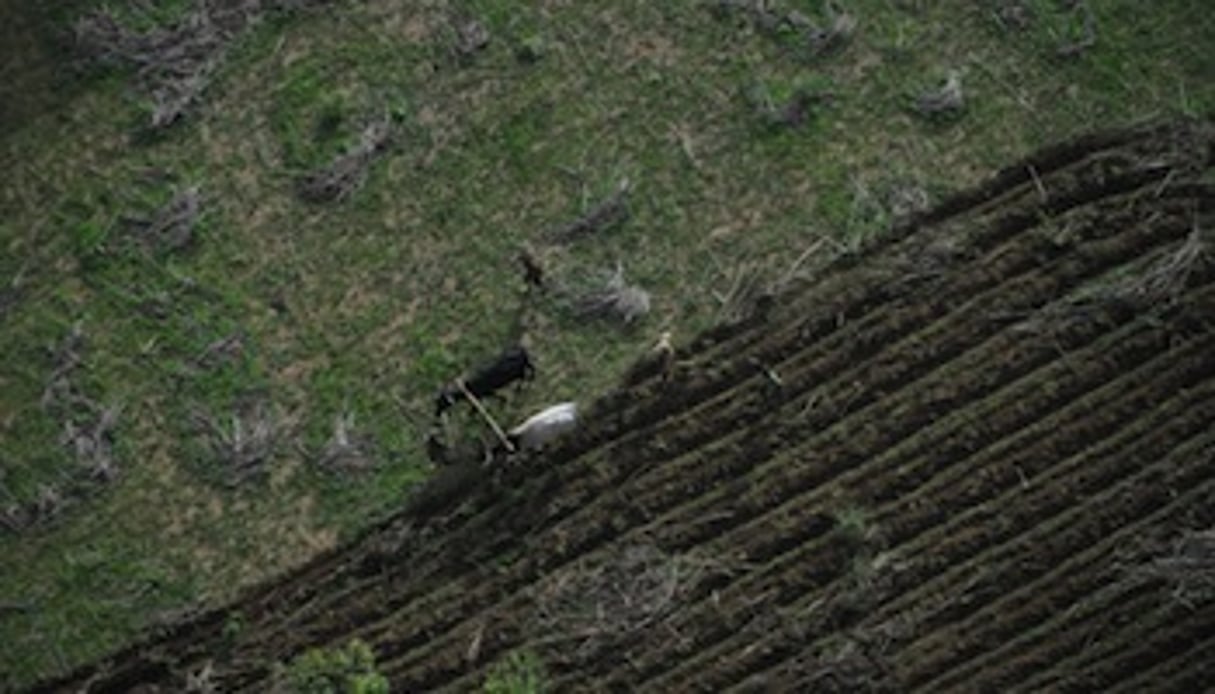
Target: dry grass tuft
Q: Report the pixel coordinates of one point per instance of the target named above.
(87, 427)
(243, 445)
(946, 101)
(170, 228)
(174, 63)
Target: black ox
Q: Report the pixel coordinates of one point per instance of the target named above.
(513, 364)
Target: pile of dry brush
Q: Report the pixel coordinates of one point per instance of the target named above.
(595, 604)
(174, 63)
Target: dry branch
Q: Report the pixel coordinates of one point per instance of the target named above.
(343, 176)
(608, 213)
(493, 423)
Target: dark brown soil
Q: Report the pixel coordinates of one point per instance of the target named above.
(979, 424)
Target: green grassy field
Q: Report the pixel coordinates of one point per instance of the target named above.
(363, 307)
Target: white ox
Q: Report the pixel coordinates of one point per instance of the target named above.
(544, 426)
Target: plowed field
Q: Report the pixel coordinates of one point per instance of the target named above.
(957, 462)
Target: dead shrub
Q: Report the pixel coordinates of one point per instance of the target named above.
(87, 426)
(347, 451)
(610, 212)
(609, 297)
(242, 444)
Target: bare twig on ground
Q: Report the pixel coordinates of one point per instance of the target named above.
(607, 213)
(343, 176)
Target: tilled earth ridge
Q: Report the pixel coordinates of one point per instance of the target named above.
(961, 460)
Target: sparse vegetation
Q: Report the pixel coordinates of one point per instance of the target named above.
(346, 670)
(520, 672)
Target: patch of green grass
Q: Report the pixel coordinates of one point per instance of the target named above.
(520, 672)
(369, 306)
(346, 670)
